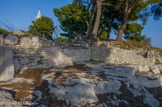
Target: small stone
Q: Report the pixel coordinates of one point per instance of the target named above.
(24, 61)
(20, 55)
(32, 64)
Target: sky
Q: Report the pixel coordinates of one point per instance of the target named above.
(20, 13)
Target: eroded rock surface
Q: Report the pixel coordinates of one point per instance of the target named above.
(90, 84)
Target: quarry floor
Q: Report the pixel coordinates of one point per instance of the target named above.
(91, 85)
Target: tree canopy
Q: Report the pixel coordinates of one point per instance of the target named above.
(97, 18)
(71, 18)
(43, 27)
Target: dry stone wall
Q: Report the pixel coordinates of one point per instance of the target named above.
(33, 51)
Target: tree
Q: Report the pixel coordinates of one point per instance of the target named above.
(133, 32)
(3, 31)
(132, 11)
(43, 27)
(71, 18)
(156, 10)
(93, 16)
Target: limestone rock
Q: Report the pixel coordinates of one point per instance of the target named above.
(1, 39)
(16, 64)
(25, 61)
(144, 68)
(155, 69)
(32, 64)
(11, 40)
(7, 100)
(25, 42)
(58, 59)
(6, 64)
(19, 33)
(35, 41)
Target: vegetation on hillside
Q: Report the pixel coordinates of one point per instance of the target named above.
(43, 27)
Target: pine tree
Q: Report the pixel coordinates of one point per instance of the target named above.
(72, 21)
(43, 27)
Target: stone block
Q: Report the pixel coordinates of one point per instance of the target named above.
(155, 69)
(144, 68)
(58, 59)
(6, 64)
(25, 42)
(11, 40)
(1, 39)
(32, 64)
(16, 64)
(25, 61)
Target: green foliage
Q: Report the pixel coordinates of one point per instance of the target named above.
(3, 31)
(133, 32)
(43, 27)
(71, 18)
(62, 39)
(58, 72)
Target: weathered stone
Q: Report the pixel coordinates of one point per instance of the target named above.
(144, 68)
(58, 59)
(16, 64)
(20, 55)
(35, 39)
(25, 61)
(6, 64)
(11, 40)
(37, 59)
(7, 100)
(32, 64)
(1, 39)
(19, 33)
(100, 53)
(155, 69)
(35, 42)
(25, 42)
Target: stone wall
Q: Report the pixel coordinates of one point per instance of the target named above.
(33, 51)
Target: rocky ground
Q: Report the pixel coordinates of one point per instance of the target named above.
(90, 84)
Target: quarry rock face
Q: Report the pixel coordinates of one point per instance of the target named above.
(6, 64)
(11, 40)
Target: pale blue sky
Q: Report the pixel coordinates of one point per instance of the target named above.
(21, 13)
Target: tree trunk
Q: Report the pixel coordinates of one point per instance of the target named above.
(103, 29)
(97, 21)
(89, 23)
(109, 31)
(43, 35)
(125, 21)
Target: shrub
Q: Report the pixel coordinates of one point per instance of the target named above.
(58, 72)
(62, 39)
(3, 31)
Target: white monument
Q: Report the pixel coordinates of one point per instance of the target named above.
(38, 15)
